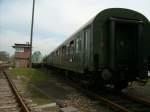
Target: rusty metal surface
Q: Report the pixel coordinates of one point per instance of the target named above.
(11, 100)
(138, 99)
(20, 100)
(106, 101)
(8, 101)
(117, 101)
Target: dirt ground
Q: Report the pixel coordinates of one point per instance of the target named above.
(50, 88)
(53, 89)
(141, 91)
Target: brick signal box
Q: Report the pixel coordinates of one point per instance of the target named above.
(22, 55)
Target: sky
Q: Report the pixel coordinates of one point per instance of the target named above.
(54, 20)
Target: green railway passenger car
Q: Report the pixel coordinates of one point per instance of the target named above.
(113, 48)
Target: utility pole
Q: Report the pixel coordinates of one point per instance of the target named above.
(30, 60)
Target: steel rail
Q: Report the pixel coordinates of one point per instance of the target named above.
(106, 101)
(20, 100)
(111, 104)
(138, 99)
(116, 106)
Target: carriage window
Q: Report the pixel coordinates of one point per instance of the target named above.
(71, 48)
(67, 49)
(57, 53)
(78, 45)
(87, 37)
(64, 50)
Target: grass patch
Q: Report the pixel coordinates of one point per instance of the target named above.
(38, 97)
(30, 74)
(148, 82)
(34, 76)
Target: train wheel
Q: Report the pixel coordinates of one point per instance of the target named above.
(106, 74)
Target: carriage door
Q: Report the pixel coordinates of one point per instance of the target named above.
(87, 35)
(127, 44)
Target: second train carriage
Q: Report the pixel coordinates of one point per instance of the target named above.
(111, 48)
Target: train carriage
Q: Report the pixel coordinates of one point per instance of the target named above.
(112, 48)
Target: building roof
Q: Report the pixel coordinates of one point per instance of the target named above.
(21, 45)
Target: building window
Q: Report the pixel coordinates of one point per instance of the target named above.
(19, 49)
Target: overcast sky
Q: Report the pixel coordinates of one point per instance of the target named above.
(54, 21)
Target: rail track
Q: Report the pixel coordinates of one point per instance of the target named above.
(10, 99)
(126, 103)
(119, 102)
